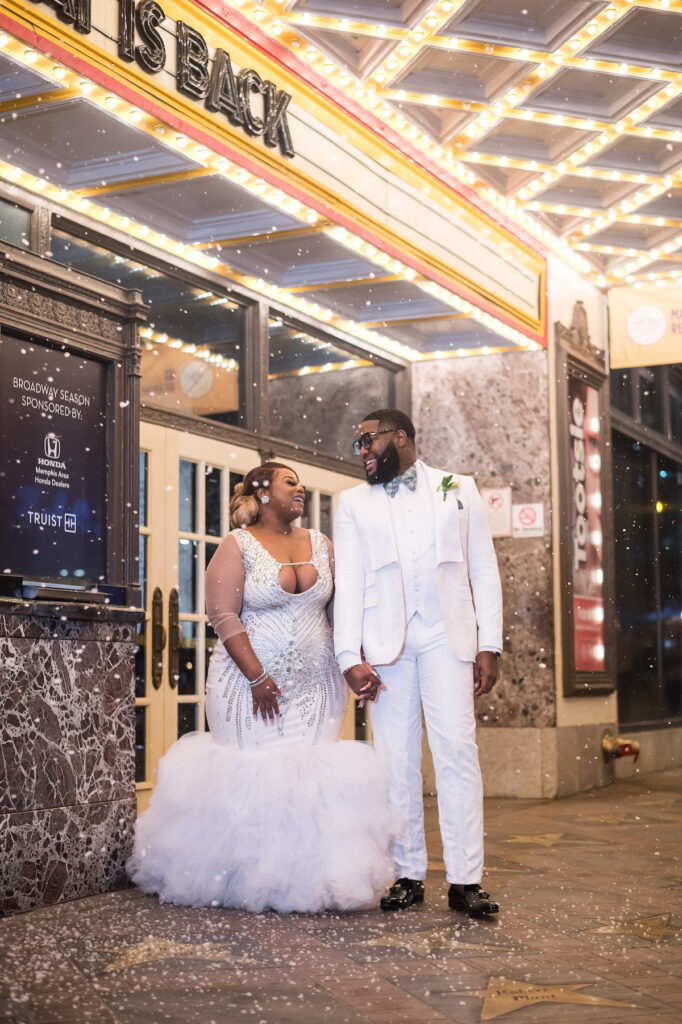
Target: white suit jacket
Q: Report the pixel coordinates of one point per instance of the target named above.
(369, 606)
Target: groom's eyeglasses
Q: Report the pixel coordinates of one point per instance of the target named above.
(365, 440)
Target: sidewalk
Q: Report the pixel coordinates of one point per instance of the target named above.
(590, 930)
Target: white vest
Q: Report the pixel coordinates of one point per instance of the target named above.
(413, 521)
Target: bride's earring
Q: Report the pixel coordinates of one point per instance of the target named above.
(265, 500)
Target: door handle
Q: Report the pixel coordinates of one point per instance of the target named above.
(175, 637)
(158, 638)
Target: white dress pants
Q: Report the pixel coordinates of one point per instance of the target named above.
(430, 676)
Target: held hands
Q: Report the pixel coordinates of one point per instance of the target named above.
(364, 681)
(485, 672)
(265, 699)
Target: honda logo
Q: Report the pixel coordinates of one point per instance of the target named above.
(52, 446)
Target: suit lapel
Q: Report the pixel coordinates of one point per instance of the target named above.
(446, 518)
(381, 538)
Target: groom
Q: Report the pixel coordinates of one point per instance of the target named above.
(418, 616)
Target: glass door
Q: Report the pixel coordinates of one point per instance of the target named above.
(186, 483)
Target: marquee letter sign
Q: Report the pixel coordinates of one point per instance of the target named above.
(246, 100)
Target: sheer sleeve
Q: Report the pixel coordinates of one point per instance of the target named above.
(225, 588)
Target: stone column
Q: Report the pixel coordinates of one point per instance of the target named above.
(488, 416)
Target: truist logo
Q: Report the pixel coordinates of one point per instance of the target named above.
(57, 520)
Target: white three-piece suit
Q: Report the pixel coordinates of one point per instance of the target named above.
(418, 594)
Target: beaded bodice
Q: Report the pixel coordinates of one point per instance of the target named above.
(262, 590)
(261, 578)
(292, 637)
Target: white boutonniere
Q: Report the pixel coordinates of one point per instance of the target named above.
(448, 484)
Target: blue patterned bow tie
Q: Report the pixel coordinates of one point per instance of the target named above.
(409, 478)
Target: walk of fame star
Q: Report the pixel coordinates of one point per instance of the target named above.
(551, 839)
(653, 928)
(504, 995)
(541, 839)
(154, 949)
(500, 869)
(425, 942)
(612, 819)
(439, 865)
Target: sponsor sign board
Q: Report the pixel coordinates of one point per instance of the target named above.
(53, 464)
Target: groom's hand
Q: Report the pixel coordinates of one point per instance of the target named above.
(485, 672)
(364, 681)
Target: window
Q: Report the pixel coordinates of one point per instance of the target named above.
(620, 385)
(197, 338)
(15, 224)
(675, 412)
(669, 610)
(648, 581)
(651, 402)
(193, 341)
(319, 392)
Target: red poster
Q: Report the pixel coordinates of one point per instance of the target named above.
(586, 533)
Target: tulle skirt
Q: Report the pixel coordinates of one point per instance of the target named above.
(303, 827)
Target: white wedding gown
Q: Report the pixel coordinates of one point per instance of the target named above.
(283, 815)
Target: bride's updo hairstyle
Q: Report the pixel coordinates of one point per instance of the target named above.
(244, 505)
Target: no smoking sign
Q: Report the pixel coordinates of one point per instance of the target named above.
(528, 520)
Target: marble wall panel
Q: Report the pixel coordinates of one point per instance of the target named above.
(64, 853)
(67, 766)
(68, 727)
(488, 416)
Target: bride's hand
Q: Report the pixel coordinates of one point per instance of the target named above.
(364, 681)
(265, 699)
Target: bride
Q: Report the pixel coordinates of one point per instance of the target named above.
(269, 810)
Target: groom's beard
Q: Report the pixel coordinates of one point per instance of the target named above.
(388, 466)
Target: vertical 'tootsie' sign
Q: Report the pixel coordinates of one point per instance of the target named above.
(586, 534)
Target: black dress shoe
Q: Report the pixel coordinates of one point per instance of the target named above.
(476, 902)
(402, 894)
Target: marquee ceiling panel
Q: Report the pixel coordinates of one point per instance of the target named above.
(439, 334)
(76, 145)
(299, 260)
(381, 301)
(536, 105)
(206, 208)
(20, 80)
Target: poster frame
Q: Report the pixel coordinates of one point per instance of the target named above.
(588, 369)
(50, 305)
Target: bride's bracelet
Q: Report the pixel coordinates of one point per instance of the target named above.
(261, 679)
